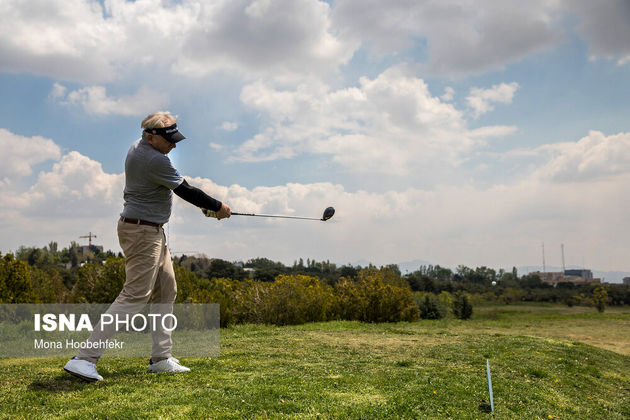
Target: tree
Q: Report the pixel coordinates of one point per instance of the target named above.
(421, 282)
(440, 274)
(600, 298)
(53, 248)
(267, 270)
(224, 269)
(348, 271)
(83, 290)
(72, 253)
(394, 269)
(48, 286)
(531, 281)
(480, 275)
(462, 308)
(431, 307)
(15, 281)
(109, 280)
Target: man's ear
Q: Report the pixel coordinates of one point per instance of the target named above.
(149, 138)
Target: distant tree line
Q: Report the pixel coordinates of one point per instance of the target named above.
(263, 269)
(71, 256)
(510, 288)
(372, 296)
(266, 291)
(477, 282)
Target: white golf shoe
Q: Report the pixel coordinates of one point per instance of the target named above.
(82, 369)
(167, 365)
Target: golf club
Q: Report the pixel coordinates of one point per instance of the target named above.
(328, 213)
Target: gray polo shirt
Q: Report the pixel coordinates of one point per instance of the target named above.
(149, 180)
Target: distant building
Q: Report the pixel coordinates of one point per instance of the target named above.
(91, 248)
(626, 280)
(585, 276)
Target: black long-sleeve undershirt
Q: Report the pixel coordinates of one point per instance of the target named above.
(197, 197)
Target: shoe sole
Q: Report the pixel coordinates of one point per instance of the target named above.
(85, 378)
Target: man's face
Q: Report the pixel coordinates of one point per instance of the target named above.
(159, 143)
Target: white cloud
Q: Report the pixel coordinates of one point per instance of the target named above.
(76, 186)
(71, 198)
(389, 125)
(93, 43)
(94, 100)
(497, 226)
(591, 158)
(461, 36)
(229, 126)
(448, 95)
(63, 39)
(20, 154)
(58, 91)
(274, 38)
(216, 146)
(481, 100)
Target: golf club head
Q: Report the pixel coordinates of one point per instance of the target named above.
(328, 213)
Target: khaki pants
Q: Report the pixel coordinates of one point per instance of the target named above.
(149, 279)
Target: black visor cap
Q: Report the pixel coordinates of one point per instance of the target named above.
(170, 133)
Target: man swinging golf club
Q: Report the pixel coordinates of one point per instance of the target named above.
(150, 180)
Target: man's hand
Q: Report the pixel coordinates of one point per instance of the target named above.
(224, 213)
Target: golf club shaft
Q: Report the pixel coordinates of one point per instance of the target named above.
(273, 215)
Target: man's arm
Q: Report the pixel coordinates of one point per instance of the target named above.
(200, 199)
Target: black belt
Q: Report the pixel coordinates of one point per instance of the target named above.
(139, 222)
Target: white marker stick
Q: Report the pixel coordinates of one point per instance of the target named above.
(489, 385)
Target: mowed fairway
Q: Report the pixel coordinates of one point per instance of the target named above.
(541, 368)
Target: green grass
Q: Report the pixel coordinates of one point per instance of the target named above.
(426, 369)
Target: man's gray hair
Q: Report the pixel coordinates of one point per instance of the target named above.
(157, 120)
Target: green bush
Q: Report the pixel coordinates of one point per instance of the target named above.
(462, 308)
(249, 301)
(350, 304)
(294, 299)
(600, 298)
(375, 296)
(297, 299)
(192, 289)
(446, 299)
(430, 306)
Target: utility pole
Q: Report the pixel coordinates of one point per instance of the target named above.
(89, 236)
(563, 266)
(543, 252)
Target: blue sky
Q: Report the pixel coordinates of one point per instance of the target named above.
(440, 131)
